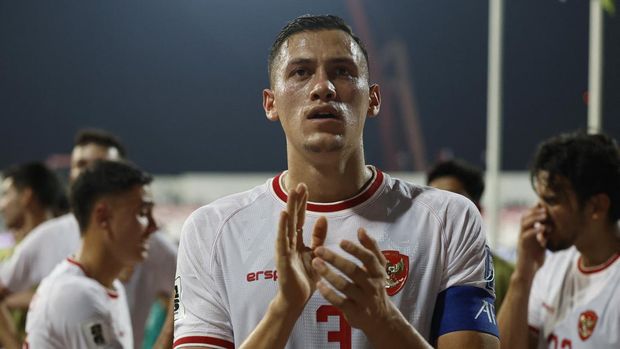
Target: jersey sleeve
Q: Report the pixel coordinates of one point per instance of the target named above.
(20, 272)
(466, 302)
(74, 318)
(201, 315)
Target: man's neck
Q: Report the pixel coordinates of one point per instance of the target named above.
(600, 246)
(97, 261)
(328, 182)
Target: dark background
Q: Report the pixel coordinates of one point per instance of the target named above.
(180, 81)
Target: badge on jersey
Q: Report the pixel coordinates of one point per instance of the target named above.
(97, 334)
(397, 271)
(587, 323)
(179, 310)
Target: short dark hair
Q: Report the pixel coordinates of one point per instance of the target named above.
(311, 23)
(470, 176)
(44, 183)
(99, 137)
(101, 179)
(590, 162)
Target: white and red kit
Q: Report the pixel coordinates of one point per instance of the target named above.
(72, 310)
(573, 307)
(440, 271)
(53, 241)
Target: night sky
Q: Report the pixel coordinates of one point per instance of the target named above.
(180, 81)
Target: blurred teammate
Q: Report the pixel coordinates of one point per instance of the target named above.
(569, 299)
(81, 304)
(460, 177)
(249, 264)
(34, 259)
(31, 194)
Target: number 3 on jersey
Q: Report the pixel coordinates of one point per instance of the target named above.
(343, 336)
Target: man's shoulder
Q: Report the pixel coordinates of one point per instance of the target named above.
(222, 208)
(65, 224)
(432, 199)
(67, 289)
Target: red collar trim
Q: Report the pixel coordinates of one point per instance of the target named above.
(366, 194)
(597, 268)
(111, 293)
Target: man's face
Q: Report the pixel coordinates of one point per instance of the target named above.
(131, 224)
(320, 92)
(84, 155)
(12, 205)
(566, 219)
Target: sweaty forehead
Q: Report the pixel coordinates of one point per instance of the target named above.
(319, 45)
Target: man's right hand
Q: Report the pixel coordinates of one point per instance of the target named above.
(296, 277)
(532, 242)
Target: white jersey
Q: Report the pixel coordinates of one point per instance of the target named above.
(575, 307)
(39, 252)
(53, 241)
(72, 310)
(439, 277)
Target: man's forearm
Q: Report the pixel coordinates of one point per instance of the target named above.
(397, 333)
(274, 330)
(513, 319)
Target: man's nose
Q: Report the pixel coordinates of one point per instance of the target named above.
(324, 89)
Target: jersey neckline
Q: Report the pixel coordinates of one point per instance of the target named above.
(111, 293)
(596, 268)
(321, 207)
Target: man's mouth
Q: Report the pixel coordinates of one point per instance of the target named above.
(322, 116)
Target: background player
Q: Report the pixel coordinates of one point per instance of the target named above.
(570, 298)
(146, 283)
(236, 289)
(463, 178)
(81, 304)
(31, 194)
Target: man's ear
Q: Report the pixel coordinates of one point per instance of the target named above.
(269, 104)
(26, 196)
(599, 206)
(101, 215)
(374, 100)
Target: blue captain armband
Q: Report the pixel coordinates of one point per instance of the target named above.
(464, 308)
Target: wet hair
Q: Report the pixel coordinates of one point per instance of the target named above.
(103, 178)
(310, 23)
(590, 162)
(470, 176)
(101, 138)
(47, 188)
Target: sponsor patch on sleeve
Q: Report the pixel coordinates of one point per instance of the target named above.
(179, 310)
(97, 334)
(464, 308)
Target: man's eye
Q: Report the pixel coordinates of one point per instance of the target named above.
(343, 72)
(300, 72)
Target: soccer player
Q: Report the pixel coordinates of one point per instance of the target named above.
(81, 304)
(463, 178)
(31, 194)
(569, 298)
(331, 252)
(34, 259)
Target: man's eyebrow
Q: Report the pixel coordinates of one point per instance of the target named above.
(347, 60)
(300, 61)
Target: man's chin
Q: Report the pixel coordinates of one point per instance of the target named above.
(324, 143)
(555, 246)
